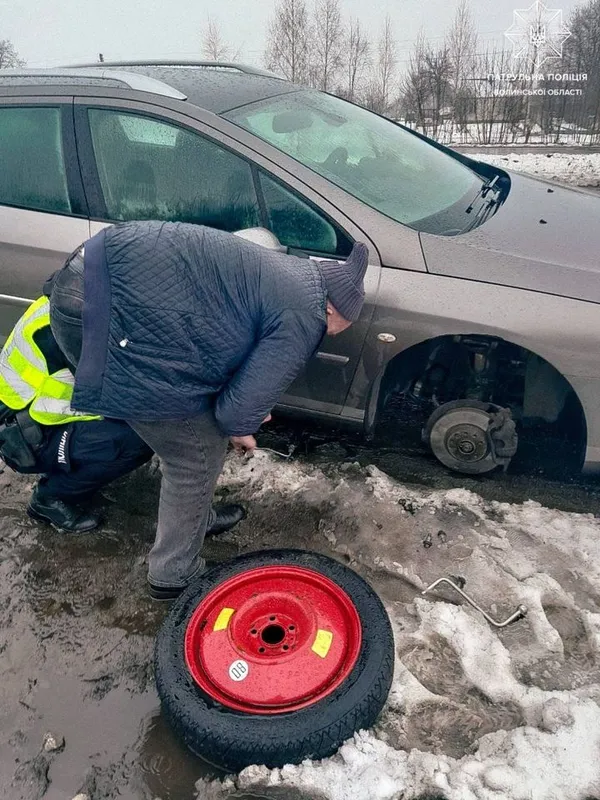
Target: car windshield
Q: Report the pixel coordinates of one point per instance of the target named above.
(372, 158)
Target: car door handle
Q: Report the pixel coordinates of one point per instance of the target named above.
(333, 358)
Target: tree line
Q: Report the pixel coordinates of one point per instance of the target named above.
(461, 91)
(454, 88)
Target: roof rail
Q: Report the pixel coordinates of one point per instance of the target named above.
(134, 80)
(173, 62)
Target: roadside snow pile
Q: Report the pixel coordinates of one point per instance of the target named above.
(496, 134)
(475, 713)
(580, 169)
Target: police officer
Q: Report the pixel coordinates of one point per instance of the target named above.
(76, 453)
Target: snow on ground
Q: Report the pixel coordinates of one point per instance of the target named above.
(581, 169)
(486, 134)
(475, 713)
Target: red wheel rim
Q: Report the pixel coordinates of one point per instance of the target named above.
(272, 640)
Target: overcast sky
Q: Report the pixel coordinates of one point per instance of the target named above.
(52, 32)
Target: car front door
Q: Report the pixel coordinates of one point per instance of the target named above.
(139, 165)
(43, 216)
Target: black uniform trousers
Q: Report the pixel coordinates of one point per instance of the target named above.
(79, 458)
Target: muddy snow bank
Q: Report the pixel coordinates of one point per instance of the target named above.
(580, 169)
(475, 713)
(521, 765)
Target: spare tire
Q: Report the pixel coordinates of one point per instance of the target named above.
(272, 658)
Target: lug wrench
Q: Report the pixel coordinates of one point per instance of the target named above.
(289, 454)
(518, 614)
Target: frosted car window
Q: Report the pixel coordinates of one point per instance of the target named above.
(150, 169)
(32, 171)
(296, 224)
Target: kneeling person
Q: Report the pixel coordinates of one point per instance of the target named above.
(76, 454)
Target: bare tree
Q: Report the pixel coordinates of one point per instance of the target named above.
(582, 55)
(328, 42)
(428, 85)
(9, 58)
(358, 57)
(386, 62)
(438, 72)
(377, 95)
(462, 47)
(498, 109)
(415, 86)
(462, 42)
(214, 47)
(288, 40)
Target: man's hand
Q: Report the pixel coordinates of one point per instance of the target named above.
(246, 444)
(243, 444)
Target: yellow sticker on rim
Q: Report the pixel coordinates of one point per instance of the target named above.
(222, 621)
(322, 643)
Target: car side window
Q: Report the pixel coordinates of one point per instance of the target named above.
(32, 166)
(155, 170)
(297, 224)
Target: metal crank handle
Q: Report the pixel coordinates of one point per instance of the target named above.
(518, 614)
(276, 452)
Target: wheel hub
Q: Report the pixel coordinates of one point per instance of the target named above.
(463, 435)
(272, 633)
(467, 443)
(273, 640)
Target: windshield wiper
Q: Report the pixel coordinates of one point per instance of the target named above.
(486, 208)
(487, 187)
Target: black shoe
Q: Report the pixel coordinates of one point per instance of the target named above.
(173, 592)
(164, 592)
(61, 515)
(227, 518)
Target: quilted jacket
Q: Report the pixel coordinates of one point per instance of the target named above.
(181, 318)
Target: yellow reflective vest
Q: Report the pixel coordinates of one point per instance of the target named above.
(25, 381)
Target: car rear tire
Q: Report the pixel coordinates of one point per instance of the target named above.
(272, 658)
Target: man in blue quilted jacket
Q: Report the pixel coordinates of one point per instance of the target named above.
(191, 335)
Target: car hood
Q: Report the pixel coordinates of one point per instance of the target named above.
(545, 237)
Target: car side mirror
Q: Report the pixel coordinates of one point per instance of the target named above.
(263, 237)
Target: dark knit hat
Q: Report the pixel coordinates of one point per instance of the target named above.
(345, 282)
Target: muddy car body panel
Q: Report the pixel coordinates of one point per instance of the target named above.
(518, 276)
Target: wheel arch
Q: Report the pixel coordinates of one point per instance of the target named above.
(406, 360)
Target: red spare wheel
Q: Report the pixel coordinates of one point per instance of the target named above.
(272, 658)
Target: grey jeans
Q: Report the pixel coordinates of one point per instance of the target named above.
(192, 452)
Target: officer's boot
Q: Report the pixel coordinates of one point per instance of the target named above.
(61, 515)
